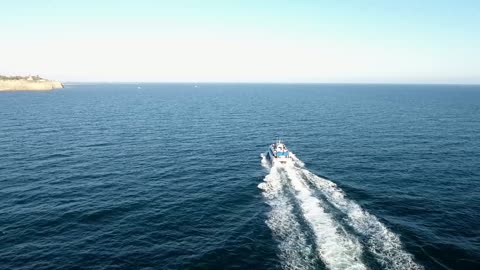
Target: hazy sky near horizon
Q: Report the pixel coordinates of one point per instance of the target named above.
(242, 41)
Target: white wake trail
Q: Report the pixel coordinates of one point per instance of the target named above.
(296, 161)
(335, 247)
(381, 242)
(296, 253)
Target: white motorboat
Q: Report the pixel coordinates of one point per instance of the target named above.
(278, 154)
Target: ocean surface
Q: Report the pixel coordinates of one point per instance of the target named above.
(173, 176)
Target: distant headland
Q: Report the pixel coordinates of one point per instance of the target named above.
(27, 83)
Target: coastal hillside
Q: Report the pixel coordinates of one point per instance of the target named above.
(29, 83)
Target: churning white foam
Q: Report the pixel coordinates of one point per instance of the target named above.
(380, 241)
(265, 163)
(336, 248)
(295, 251)
(297, 161)
(333, 246)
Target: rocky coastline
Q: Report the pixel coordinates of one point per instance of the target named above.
(28, 84)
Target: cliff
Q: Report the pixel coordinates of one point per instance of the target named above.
(19, 85)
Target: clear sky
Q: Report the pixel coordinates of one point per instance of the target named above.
(421, 41)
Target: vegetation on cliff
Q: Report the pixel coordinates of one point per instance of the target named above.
(28, 78)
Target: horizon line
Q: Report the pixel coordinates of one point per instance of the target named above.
(272, 82)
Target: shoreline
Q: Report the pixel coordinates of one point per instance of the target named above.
(28, 85)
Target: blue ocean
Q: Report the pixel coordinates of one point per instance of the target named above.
(174, 176)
